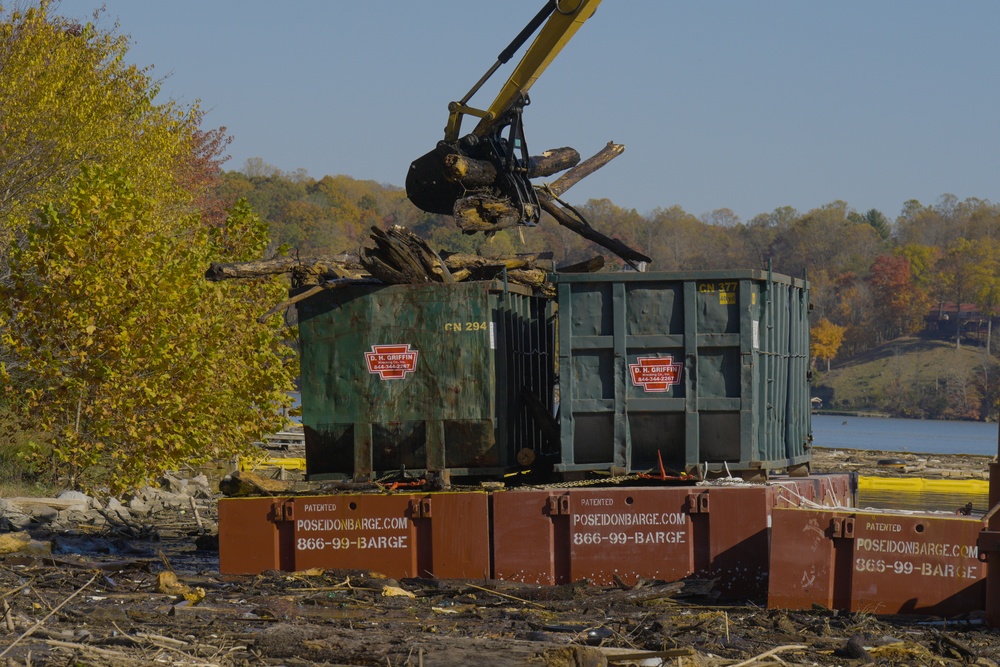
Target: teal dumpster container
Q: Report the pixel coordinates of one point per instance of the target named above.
(449, 379)
(705, 371)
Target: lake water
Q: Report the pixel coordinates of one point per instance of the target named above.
(905, 435)
(916, 436)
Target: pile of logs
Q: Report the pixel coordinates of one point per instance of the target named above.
(401, 257)
(398, 256)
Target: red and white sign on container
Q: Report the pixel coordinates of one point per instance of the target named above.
(655, 373)
(391, 362)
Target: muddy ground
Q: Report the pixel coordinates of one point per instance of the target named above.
(142, 592)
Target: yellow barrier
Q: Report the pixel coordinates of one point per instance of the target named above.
(289, 463)
(925, 485)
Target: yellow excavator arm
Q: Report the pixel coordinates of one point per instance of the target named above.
(426, 183)
(564, 18)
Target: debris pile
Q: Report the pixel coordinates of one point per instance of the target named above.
(177, 506)
(93, 610)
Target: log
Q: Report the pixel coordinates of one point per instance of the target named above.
(485, 213)
(402, 257)
(552, 161)
(521, 269)
(385, 263)
(634, 258)
(548, 199)
(344, 265)
(595, 263)
(473, 173)
(532, 277)
(585, 168)
(468, 171)
(482, 212)
(316, 289)
(392, 260)
(459, 260)
(241, 483)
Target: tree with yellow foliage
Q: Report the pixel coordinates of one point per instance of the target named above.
(825, 339)
(118, 354)
(69, 98)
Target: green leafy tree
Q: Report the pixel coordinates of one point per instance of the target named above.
(985, 282)
(122, 353)
(825, 238)
(876, 219)
(757, 237)
(671, 236)
(955, 278)
(116, 354)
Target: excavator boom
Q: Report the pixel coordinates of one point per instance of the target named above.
(427, 184)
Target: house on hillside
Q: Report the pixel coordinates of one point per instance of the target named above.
(941, 322)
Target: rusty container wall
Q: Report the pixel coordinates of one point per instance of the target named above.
(250, 538)
(563, 535)
(423, 377)
(989, 545)
(877, 563)
(442, 535)
(706, 370)
(559, 536)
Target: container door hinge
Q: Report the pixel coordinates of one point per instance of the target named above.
(283, 510)
(988, 543)
(420, 508)
(696, 503)
(842, 527)
(558, 505)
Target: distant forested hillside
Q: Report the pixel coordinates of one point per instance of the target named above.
(933, 270)
(919, 378)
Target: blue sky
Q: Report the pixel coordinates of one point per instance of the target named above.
(740, 104)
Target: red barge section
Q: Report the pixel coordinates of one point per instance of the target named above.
(541, 536)
(770, 541)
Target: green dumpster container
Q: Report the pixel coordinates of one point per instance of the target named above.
(706, 371)
(450, 379)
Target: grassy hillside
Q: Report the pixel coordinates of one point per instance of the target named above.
(913, 377)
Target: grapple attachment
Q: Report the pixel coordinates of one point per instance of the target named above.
(428, 187)
(432, 188)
